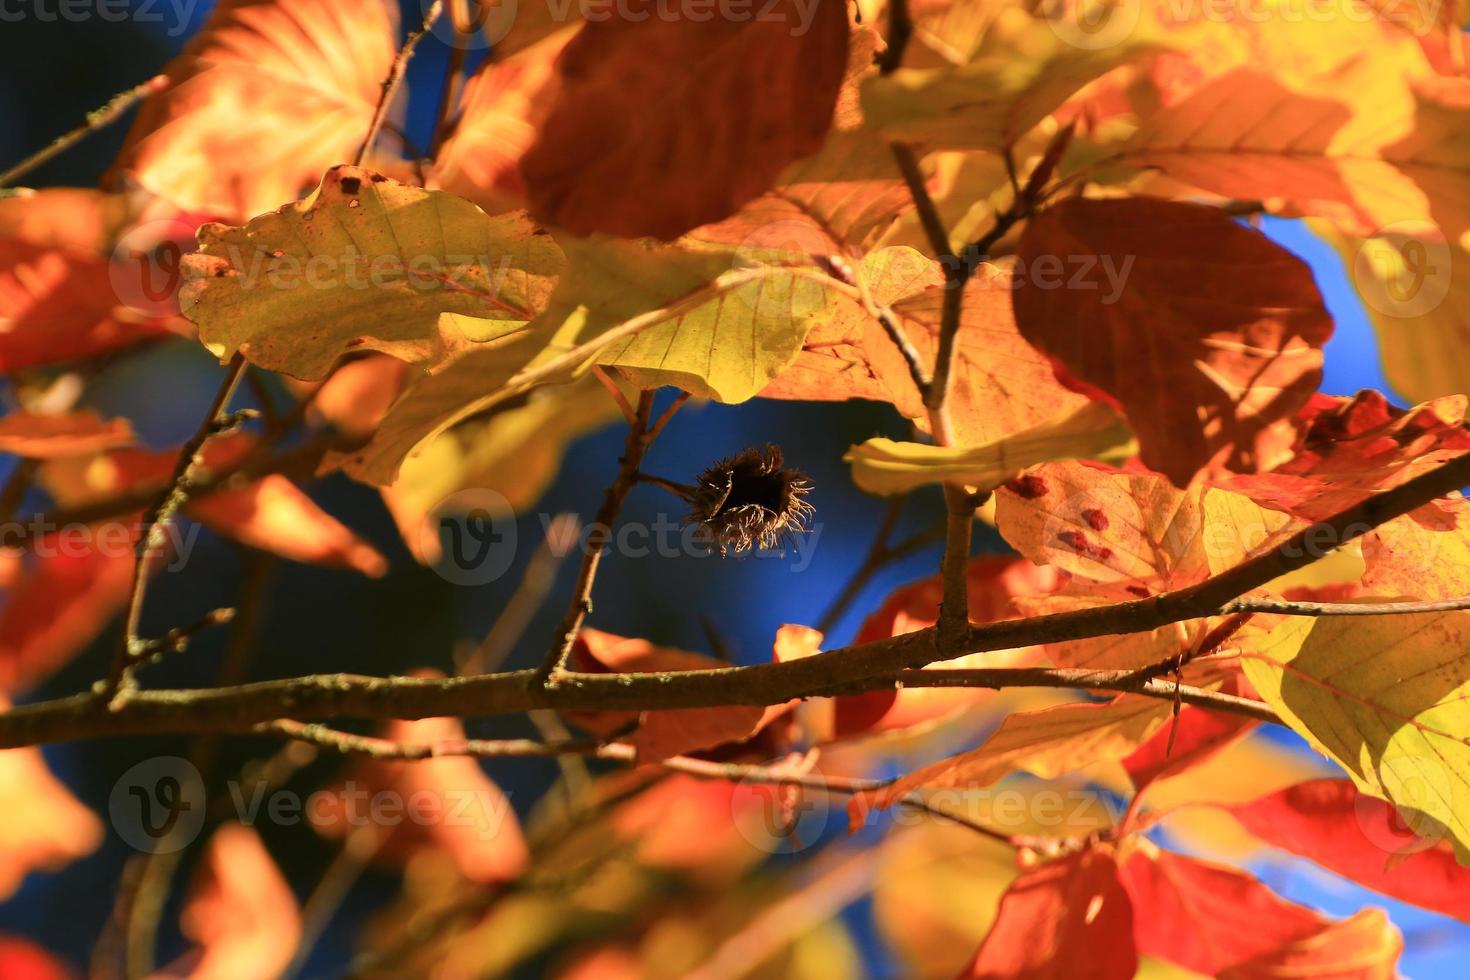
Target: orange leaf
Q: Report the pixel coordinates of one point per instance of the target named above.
(55, 436)
(660, 734)
(44, 826)
(1359, 837)
(499, 111)
(1202, 364)
(443, 803)
(241, 912)
(661, 124)
(994, 580)
(71, 591)
(262, 101)
(1048, 742)
(1223, 922)
(1068, 919)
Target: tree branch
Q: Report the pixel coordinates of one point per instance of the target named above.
(867, 666)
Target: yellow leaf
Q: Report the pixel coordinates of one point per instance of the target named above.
(1386, 698)
(883, 466)
(366, 263)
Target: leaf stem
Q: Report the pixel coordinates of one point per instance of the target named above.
(96, 119)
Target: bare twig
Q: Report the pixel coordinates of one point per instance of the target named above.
(530, 592)
(597, 538)
(900, 29)
(96, 119)
(132, 648)
(394, 79)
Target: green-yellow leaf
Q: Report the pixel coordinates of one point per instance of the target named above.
(367, 263)
(1021, 72)
(886, 467)
(1388, 699)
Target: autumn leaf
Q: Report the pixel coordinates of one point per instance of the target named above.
(1068, 919)
(1384, 697)
(240, 913)
(45, 826)
(886, 467)
(1188, 739)
(366, 263)
(67, 596)
(1132, 529)
(1021, 70)
(707, 112)
(1361, 838)
(25, 960)
(1047, 743)
(270, 513)
(1222, 922)
(500, 108)
(995, 587)
(1201, 366)
(60, 279)
(226, 137)
(56, 436)
(484, 839)
(514, 453)
(1002, 385)
(661, 734)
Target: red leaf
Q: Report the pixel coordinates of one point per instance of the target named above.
(994, 581)
(1204, 331)
(663, 124)
(1217, 920)
(61, 603)
(1359, 837)
(24, 960)
(1068, 919)
(1195, 736)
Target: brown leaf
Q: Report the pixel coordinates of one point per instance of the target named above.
(663, 124)
(1202, 361)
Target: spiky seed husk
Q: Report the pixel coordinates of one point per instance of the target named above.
(751, 501)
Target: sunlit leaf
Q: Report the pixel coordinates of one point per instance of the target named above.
(707, 111)
(227, 138)
(366, 263)
(886, 467)
(1201, 364)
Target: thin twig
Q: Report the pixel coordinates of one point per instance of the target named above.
(598, 535)
(394, 79)
(900, 29)
(96, 119)
(154, 529)
(530, 592)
